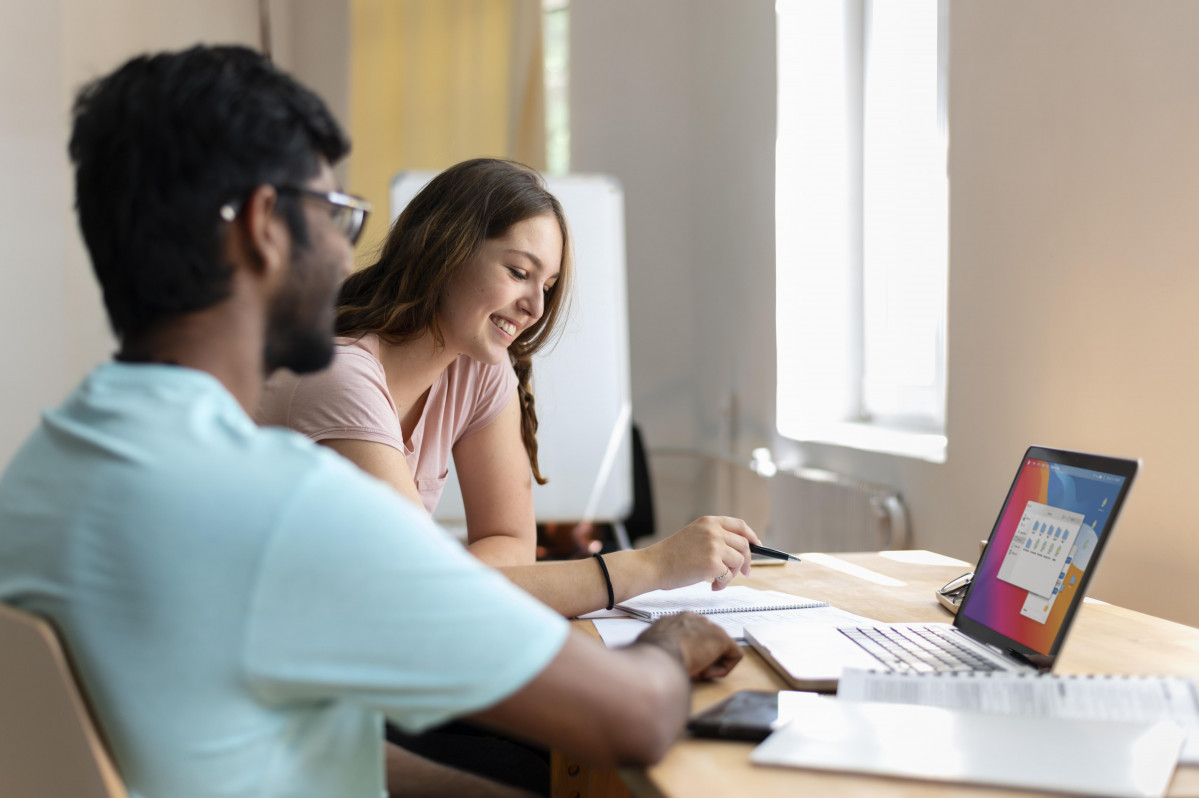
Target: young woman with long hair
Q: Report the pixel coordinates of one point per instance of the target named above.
(434, 357)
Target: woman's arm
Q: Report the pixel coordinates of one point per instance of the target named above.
(706, 548)
(497, 491)
(381, 462)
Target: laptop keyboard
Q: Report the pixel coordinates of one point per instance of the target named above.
(919, 649)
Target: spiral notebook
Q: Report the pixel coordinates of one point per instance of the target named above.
(701, 599)
(1135, 699)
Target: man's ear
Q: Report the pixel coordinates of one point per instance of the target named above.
(267, 237)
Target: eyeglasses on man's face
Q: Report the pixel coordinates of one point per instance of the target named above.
(348, 212)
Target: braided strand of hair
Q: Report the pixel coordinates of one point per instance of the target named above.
(523, 366)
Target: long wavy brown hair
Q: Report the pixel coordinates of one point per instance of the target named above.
(437, 235)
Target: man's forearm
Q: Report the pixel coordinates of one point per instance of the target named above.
(608, 707)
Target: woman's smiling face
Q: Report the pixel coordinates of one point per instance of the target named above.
(501, 292)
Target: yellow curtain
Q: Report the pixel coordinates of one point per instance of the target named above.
(434, 82)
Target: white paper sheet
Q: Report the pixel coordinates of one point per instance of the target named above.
(1095, 758)
(618, 632)
(1115, 698)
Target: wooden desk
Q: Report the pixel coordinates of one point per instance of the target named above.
(896, 587)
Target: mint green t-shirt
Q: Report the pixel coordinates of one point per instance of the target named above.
(242, 606)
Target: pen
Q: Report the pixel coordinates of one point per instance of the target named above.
(775, 553)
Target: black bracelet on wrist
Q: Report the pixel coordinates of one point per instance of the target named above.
(607, 579)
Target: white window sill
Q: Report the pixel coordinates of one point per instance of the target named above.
(886, 440)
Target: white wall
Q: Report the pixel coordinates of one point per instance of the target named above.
(676, 99)
(1074, 291)
(635, 123)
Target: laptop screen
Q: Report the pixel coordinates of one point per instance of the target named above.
(1040, 556)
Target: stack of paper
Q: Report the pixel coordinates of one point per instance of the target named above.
(1135, 699)
(1104, 758)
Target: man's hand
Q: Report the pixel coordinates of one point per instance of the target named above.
(703, 648)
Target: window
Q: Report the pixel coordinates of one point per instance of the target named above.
(556, 38)
(862, 223)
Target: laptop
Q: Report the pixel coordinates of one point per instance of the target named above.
(1027, 587)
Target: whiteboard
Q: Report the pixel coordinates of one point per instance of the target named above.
(582, 383)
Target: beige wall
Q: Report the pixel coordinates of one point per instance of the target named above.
(50, 309)
(1074, 290)
(1074, 244)
(33, 217)
(95, 38)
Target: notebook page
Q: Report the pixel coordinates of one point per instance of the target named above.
(734, 623)
(617, 632)
(701, 599)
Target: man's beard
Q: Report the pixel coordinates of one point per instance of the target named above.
(300, 332)
(299, 349)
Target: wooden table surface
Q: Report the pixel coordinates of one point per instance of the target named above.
(895, 587)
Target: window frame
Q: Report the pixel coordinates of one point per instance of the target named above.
(831, 389)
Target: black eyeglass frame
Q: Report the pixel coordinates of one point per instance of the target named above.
(358, 207)
(350, 225)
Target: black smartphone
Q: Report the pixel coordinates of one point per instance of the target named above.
(748, 715)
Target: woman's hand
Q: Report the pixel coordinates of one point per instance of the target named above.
(712, 547)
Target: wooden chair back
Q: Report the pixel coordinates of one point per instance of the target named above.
(49, 745)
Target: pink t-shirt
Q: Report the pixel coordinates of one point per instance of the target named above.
(350, 400)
